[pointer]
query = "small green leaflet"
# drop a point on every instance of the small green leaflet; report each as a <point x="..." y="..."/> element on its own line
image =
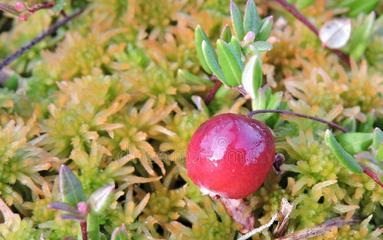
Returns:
<point x="236" y="19"/>
<point x="70" y="187"/>
<point x="341" y="154"/>
<point x="252" y="21"/>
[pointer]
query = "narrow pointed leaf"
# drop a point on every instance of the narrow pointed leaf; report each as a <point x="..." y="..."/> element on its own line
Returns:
<point x="377" y="144"/>
<point x="231" y="69"/>
<point x="236" y="19"/>
<point x="226" y="34"/>
<point x="360" y="37"/>
<point x="191" y="78"/>
<point x="377" y="138"/>
<point x="252" y="21"/>
<point x="199" y="37"/>
<point x="265" y="30"/>
<point x="70" y="187"/>
<point x="93" y="226"/>
<point x="235" y="47"/>
<point x="101" y="198"/>
<point x="252" y="76"/>
<point x="274" y="100"/>
<point x="340" y="153"/>
<point x="260" y="101"/>
<point x="211" y="60"/>
<point x="355" y="142"/>
<point x="379" y="154"/>
<point x="368" y="125"/>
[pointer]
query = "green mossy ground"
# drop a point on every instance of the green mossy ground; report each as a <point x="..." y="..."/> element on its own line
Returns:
<point x="116" y="95"/>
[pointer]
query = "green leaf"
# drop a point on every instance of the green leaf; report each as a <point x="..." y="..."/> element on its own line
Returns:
<point x="361" y="36"/>
<point x="226" y="34"/>
<point x="252" y="21"/>
<point x="252" y="76"/>
<point x="262" y="46"/>
<point x="199" y="37"/>
<point x="377" y="144"/>
<point x="355" y="142"/>
<point x="363" y="7"/>
<point x="340" y="153"/>
<point x="212" y="62"/>
<point x="231" y="68"/>
<point x="265" y="30"/>
<point x="93" y="224"/>
<point x="101" y="199"/>
<point x="356" y="6"/>
<point x="274" y="100"/>
<point x="12" y="82"/>
<point x="236" y="19"/>
<point x="377" y="138"/>
<point x="120" y="233"/>
<point x="301" y="4"/>
<point x="193" y="79"/>
<point x="260" y="101"/>
<point x="70" y="187"/>
<point x="368" y="125"/>
<point x="235" y="47"/>
<point x="265" y="99"/>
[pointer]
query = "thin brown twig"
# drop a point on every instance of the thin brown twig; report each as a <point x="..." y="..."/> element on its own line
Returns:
<point x="294" y="11"/>
<point x="319" y="230"/>
<point x="331" y="124"/>
<point x="8" y="60"/>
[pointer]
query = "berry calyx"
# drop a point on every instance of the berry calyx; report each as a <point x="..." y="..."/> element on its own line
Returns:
<point x="230" y="155"/>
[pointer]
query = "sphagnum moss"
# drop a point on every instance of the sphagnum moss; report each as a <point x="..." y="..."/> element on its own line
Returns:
<point x="110" y="103"/>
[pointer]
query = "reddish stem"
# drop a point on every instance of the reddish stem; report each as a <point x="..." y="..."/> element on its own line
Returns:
<point x="374" y="176"/>
<point x="39" y="6"/>
<point x="331" y="124"/>
<point x="213" y="91"/>
<point x="294" y="11"/>
<point x="240" y="212"/>
<point x="84" y="232"/>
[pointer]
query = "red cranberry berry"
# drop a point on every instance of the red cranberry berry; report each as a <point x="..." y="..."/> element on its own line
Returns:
<point x="230" y="155"/>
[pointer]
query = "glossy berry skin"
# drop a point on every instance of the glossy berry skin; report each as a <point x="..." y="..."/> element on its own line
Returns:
<point x="230" y="155"/>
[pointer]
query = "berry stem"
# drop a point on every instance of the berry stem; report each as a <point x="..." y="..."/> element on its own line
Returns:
<point x="39" y="38"/>
<point x="294" y="11"/>
<point x="213" y="91"/>
<point x="84" y="227"/>
<point x="331" y="124"/>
